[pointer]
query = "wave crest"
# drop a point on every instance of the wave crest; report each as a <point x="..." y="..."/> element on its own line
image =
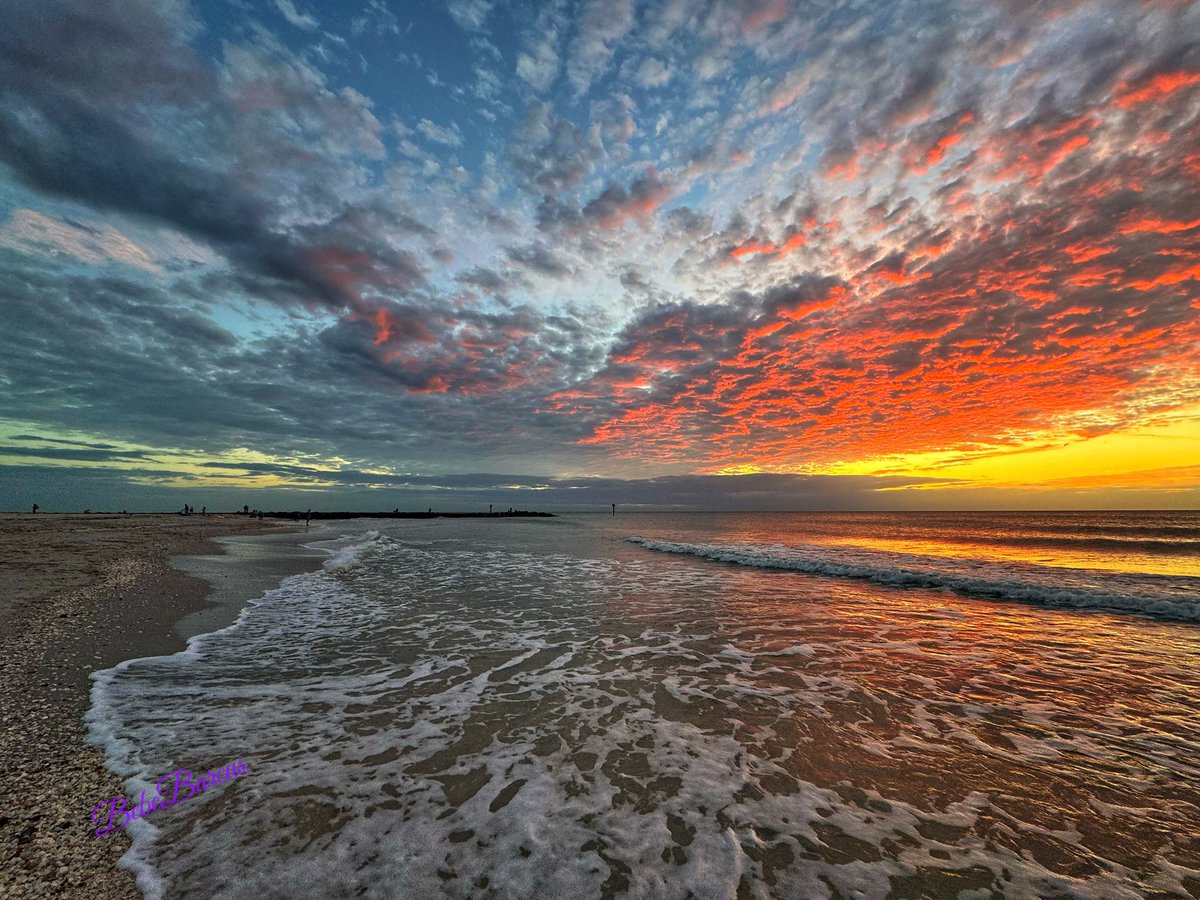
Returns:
<point x="1181" y="605"/>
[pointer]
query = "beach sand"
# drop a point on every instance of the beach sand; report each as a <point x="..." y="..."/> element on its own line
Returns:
<point x="82" y="593"/>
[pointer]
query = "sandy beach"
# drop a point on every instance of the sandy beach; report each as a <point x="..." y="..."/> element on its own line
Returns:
<point x="82" y="593"/>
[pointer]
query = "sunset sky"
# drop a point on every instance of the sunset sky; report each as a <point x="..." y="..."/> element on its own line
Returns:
<point x="701" y="253"/>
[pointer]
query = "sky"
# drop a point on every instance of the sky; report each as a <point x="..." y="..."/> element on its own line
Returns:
<point x="729" y="254"/>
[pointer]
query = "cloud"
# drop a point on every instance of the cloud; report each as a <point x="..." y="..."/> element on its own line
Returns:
<point x="93" y="445"/>
<point x="399" y="374"/>
<point x="470" y="14"/>
<point x="377" y="19"/>
<point x="268" y="141"/>
<point x="300" y="487"/>
<point x="724" y="235"/>
<point x="72" y="454"/>
<point x="652" y="73"/>
<point x="761" y="13"/>
<point x="550" y="154"/>
<point x="616" y="205"/>
<point x="301" y="20"/>
<point x="540" y="260"/>
<point x="539" y="67"/>
<point x="953" y="338"/>
<point x="449" y="136"/>
<point x="603" y="24"/>
<point x="99" y="243"/>
<point x="539" y="61"/>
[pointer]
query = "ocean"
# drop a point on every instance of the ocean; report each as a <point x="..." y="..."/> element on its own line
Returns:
<point x="689" y="705"/>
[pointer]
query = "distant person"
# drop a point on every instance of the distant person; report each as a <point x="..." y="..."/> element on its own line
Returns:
<point x="614" y="506"/>
<point x="204" y="510"/>
<point x="246" y="509"/>
<point x="307" y="519"/>
<point x="35" y="509"/>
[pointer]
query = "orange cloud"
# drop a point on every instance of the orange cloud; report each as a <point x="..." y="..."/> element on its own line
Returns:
<point x="1173" y="275"/>
<point x="936" y="153"/>
<point x="1049" y="292"/>
<point x="384" y="324"/>
<point x="1002" y="343"/>
<point x="1148" y="222"/>
<point x="766" y="248"/>
<point x="1154" y="89"/>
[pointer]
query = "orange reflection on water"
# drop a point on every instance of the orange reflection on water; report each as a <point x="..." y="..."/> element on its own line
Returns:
<point x="1185" y="560"/>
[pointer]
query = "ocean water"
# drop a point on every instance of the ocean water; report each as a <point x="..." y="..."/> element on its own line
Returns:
<point x="707" y="706"/>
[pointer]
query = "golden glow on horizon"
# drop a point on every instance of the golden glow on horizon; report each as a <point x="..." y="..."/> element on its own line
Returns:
<point x="1164" y="453"/>
<point x="1159" y="458"/>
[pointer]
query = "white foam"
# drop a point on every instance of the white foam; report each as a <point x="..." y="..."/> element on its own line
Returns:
<point x="347" y="551"/>
<point x="123" y="753"/>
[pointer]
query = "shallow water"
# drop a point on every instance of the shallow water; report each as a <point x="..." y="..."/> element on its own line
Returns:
<point x="858" y="706"/>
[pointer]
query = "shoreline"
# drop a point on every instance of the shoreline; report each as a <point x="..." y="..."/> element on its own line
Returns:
<point x="83" y="593"/>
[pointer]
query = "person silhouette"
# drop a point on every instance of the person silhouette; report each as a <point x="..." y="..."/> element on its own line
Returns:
<point x="35" y="509"/>
<point x="307" y="519"/>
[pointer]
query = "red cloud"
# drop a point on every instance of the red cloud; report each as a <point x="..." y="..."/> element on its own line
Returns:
<point x="1149" y="222"/>
<point x="1055" y="302"/>
<point x="766" y="248"/>
<point x="384" y="324"/>
<point x="1153" y="89"/>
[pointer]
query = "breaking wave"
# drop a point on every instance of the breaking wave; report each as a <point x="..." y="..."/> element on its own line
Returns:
<point x="1171" y="597"/>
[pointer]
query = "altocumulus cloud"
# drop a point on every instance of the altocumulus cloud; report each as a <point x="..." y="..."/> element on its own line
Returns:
<point x="638" y="239"/>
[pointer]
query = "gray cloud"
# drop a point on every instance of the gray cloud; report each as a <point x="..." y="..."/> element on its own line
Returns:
<point x="100" y="488"/>
<point x="737" y="232"/>
<point x="604" y="23"/>
<point x="67" y="129"/>
<point x="72" y="454"/>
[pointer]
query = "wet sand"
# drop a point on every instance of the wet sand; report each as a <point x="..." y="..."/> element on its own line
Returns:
<point x="82" y="593"/>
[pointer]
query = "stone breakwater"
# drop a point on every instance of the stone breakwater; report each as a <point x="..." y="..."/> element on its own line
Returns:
<point x="116" y="813"/>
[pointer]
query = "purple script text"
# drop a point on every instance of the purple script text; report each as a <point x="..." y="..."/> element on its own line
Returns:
<point x="173" y="788"/>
